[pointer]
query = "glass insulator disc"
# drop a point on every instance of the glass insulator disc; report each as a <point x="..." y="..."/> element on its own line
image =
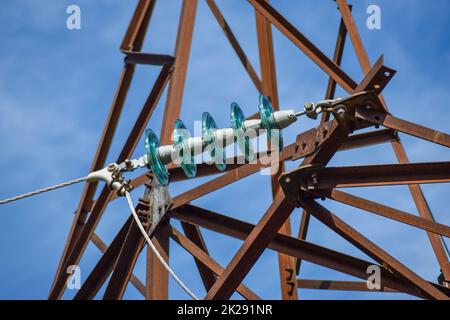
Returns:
<point x="183" y="151"/>
<point x="237" y="123"/>
<point x="268" y="122"/>
<point x="215" y="148"/>
<point x="158" y="168"/>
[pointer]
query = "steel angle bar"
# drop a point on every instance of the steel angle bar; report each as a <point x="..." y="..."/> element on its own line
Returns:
<point x="297" y="248"/>
<point x="315" y="178"/>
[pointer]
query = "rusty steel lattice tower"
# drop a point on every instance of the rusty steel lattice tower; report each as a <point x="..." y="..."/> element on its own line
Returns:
<point x="299" y="188"/>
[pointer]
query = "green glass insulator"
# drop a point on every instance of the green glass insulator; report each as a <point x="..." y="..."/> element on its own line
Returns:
<point x="158" y="168"/>
<point x="181" y="145"/>
<point x="215" y="148"/>
<point x="237" y="123"/>
<point x="268" y="122"/>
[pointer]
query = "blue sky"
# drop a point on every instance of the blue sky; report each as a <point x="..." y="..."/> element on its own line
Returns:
<point x="56" y="86"/>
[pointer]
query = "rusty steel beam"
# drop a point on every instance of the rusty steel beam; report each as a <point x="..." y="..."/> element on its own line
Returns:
<point x="203" y="257"/>
<point x="385" y="211"/>
<point x="148" y="58"/>
<point x="177" y="82"/>
<point x="267" y="59"/>
<point x="127" y="258"/>
<point x="415" y="190"/>
<point x="354" y="34"/>
<point x="134" y="280"/>
<point x="302" y="233"/>
<point x="339" y="285"/>
<point x="194" y="235"/>
<point x="251" y="249"/>
<point x="137" y="39"/>
<point x="134" y="36"/>
<point x="376" y="79"/>
<point x="297" y="248"/>
<point x="314" y="178"/>
<point x="235" y="44"/>
<point x="287" y="267"/>
<point x="99" y="243"/>
<point x="337" y="58"/>
<point x="100" y="205"/>
<point x="156" y="276"/>
<point x="304" y="44"/>
<point x="404" y="126"/>
<point x="335" y="137"/>
<point x="205" y="170"/>
<point x="370" y="248"/>
<point x="270" y="89"/>
<point x="370" y="138"/>
<point x="104" y="266"/>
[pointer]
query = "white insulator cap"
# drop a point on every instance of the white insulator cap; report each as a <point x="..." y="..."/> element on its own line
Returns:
<point x="252" y="128"/>
<point x="226" y="135"/>
<point x="253" y="124"/>
<point x="168" y="152"/>
<point x="196" y="145"/>
<point x="284" y="118"/>
<point x="165" y="153"/>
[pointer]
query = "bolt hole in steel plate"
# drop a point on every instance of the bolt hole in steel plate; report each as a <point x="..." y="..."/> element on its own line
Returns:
<point x="184" y="153"/>
<point x="158" y="168"/>
<point x="215" y="149"/>
<point x="237" y="123"/>
<point x="268" y="122"/>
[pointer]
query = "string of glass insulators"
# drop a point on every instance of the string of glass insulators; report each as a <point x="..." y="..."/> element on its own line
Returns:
<point x="214" y="140"/>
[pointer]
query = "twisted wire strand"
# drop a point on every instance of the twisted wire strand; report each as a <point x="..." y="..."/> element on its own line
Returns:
<point x="39" y="191"/>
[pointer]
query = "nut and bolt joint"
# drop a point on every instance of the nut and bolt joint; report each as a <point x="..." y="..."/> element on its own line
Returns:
<point x="340" y="110"/>
<point x="112" y="167"/>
